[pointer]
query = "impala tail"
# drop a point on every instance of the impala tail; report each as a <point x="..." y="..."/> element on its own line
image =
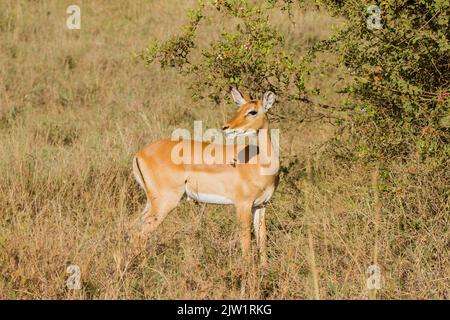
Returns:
<point x="138" y="174"/>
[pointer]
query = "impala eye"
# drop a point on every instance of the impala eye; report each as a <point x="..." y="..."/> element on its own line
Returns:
<point x="253" y="112"/>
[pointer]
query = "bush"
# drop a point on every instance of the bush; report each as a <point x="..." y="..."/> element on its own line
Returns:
<point x="401" y="85"/>
<point x="399" y="97"/>
<point x="250" y="56"/>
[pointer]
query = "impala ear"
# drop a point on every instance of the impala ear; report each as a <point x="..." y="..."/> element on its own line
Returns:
<point x="237" y="97"/>
<point x="268" y="100"/>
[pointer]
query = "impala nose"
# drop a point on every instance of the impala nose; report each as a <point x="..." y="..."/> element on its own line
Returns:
<point x="225" y="127"/>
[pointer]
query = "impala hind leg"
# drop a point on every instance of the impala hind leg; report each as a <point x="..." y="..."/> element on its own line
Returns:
<point x="147" y="208"/>
<point x="160" y="207"/>
<point x="244" y="213"/>
<point x="259" y="225"/>
<point x="155" y="211"/>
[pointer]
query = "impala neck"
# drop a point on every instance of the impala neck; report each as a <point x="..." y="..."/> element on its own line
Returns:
<point x="268" y="155"/>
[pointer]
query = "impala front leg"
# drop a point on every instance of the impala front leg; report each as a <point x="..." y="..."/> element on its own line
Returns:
<point x="259" y="225"/>
<point x="244" y="213"/>
<point x="262" y="236"/>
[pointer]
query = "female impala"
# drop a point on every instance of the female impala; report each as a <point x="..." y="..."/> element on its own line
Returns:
<point x="247" y="181"/>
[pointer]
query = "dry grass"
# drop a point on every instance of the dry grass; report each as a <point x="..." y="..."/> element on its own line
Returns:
<point x="74" y="108"/>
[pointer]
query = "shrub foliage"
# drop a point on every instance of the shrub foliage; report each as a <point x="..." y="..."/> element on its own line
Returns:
<point x="251" y="55"/>
<point x="402" y="76"/>
<point x="400" y="92"/>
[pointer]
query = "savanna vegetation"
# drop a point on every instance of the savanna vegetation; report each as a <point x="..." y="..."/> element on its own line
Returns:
<point x="364" y="119"/>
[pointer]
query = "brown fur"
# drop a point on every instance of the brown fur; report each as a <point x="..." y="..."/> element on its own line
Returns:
<point x="239" y="181"/>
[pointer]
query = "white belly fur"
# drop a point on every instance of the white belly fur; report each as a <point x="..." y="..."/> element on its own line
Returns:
<point x="264" y="197"/>
<point x="208" y="198"/>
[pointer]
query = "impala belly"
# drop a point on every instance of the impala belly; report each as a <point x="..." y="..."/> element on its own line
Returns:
<point x="214" y="184"/>
<point x="207" y="197"/>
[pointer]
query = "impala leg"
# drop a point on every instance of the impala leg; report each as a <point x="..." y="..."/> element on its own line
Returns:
<point x="244" y="213"/>
<point x="136" y="224"/>
<point x="156" y="210"/>
<point x="262" y="237"/>
<point x="151" y="219"/>
<point x="159" y="209"/>
<point x="259" y="225"/>
<point x="256" y="215"/>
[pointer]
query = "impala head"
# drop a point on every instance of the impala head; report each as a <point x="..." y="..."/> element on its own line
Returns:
<point x="251" y="115"/>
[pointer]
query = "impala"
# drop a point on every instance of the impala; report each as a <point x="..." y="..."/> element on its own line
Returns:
<point x="246" y="180"/>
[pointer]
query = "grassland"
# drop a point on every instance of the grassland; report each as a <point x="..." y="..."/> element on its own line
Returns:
<point x="74" y="108"/>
